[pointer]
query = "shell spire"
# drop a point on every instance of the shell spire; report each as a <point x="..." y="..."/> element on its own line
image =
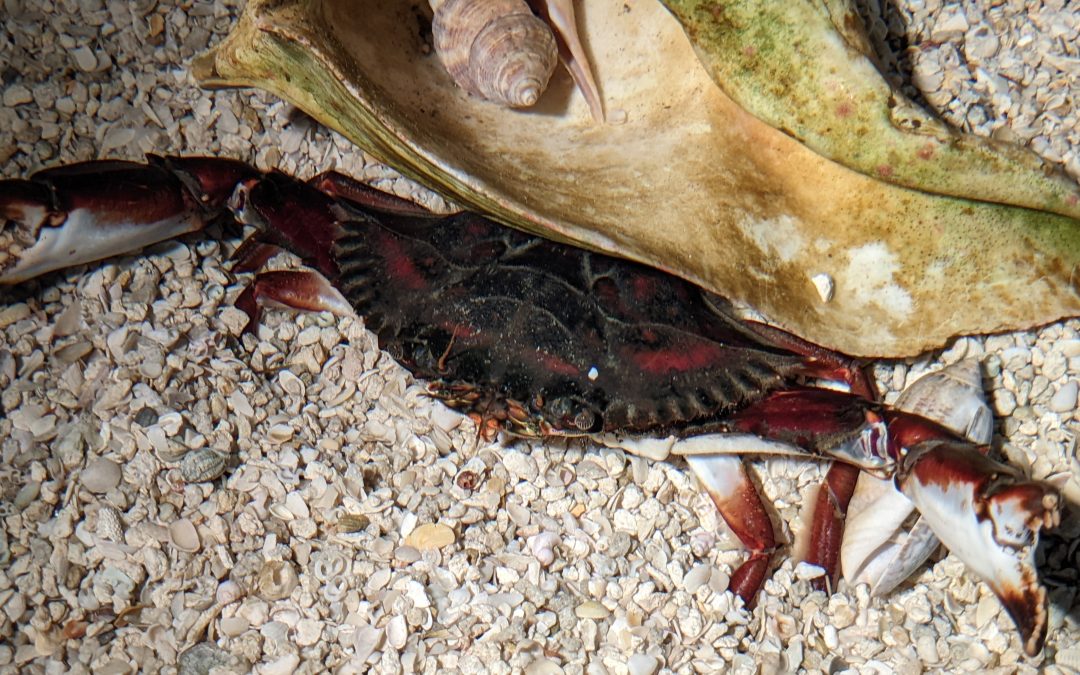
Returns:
<point x="496" y="49"/>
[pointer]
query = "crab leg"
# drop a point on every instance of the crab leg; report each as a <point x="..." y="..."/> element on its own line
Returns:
<point x="736" y="498"/>
<point x="829" y="512"/>
<point x="985" y="512"/>
<point x="303" y="290"/>
<point x="828" y="522"/>
<point x="85" y="212"/>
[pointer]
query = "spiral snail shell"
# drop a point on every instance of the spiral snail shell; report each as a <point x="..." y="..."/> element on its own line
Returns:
<point x="497" y="49"/>
<point x="501" y="51"/>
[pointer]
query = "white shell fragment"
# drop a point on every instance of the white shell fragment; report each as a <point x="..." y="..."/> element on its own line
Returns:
<point x="590" y="609"/>
<point x="277" y="580"/>
<point x="183" y="535"/>
<point x="430" y="536"/>
<point x="543" y="546"/>
<point x="825" y="286"/>
<point x="101" y="475"/>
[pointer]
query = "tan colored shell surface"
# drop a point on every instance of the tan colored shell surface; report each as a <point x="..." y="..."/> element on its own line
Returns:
<point x="689" y="182"/>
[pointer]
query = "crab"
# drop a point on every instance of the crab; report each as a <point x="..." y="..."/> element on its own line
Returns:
<point x="534" y="338"/>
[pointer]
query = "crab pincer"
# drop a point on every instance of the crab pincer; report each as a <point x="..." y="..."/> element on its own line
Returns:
<point x="990" y="517"/>
<point x="89" y="211"/>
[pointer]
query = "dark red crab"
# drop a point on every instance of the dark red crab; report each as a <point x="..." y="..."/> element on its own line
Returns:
<point x="537" y="338"/>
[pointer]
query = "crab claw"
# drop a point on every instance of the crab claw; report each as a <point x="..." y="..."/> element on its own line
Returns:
<point x="85" y="212"/>
<point x="987" y="514"/>
<point x="875" y="549"/>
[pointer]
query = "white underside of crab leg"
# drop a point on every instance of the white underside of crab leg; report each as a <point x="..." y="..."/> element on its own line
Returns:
<point x="562" y="17"/>
<point x="721" y="475"/>
<point x="659" y="449"/>
<point x="83" y="237"/>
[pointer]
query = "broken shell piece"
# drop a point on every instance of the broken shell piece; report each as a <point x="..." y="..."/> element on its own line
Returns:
<point x="543" y="547"/>
<point x="228" y="591"/>
<point x="954" y="397"/>
<point x="824" y="285"/>
<point x="101" y="475"/>
<point x="202" y="465"/>
<point x="397" y="632"/>
<point x="430" y="536"/>
<point x="183" y="535"/>
<point x="277" y="580"/>
<point x="591" y="609"/>
<point x="109" y="525"/>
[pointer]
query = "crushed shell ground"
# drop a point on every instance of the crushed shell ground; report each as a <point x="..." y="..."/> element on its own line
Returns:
<point x="176" y="498"/>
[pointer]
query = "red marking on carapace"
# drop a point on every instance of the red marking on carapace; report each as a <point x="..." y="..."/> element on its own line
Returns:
<point x="554" y="364"/>
<point x="844" y="109"/>
<point x="926" y="151"/>
<point x="401" y="266"/>
<point x="477" y="228"/>
<point x="643" y="288"/>
<point x="884" y="170"/>
<point x="684" y="359"/>
<point x="1072" y="200"/>
<point x="460" y="331"/>
<point x="749" y="51"/>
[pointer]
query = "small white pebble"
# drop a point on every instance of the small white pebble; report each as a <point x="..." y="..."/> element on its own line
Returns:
<point x="13" y="313"/>
<point x="85" y="59"/>
<point x="17" y="94"/>
<point x="308" y="632"/>
<point x="228" y="591"/>
<point x="1064" y="400"/>
<point x="183" y="535"/>
<point x="825" y="286"/>
<point x="283" y="666"/>
<point x="806" y="571"/>
<point x="543" y="546"/>
<point x="591" y="609"/>
<point x="642" y="664"/>
<point x="234" y="625"/>
<point x="101" y="475"/>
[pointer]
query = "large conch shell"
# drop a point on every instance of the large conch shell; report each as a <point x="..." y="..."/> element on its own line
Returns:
<point x="690" y="181"/>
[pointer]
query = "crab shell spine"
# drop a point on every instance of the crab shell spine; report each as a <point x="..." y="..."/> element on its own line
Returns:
<point x="496" y="49"/>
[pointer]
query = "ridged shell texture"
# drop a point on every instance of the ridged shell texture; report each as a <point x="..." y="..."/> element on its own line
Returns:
<point x="497" y="49"/>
